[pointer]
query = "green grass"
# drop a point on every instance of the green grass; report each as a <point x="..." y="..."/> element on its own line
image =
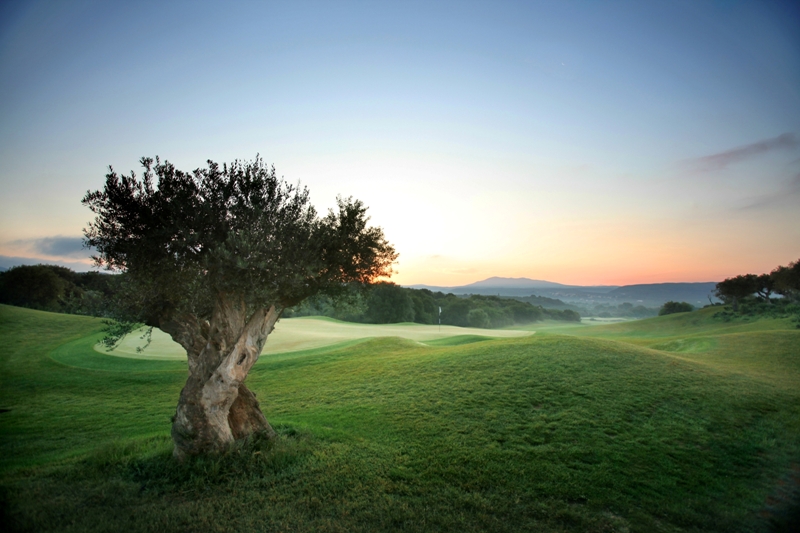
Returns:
<point x="678" y="423"/>
<point x="308" y="333"/>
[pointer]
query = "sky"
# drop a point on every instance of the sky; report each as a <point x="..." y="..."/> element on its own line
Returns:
<point x="589" y="143"/>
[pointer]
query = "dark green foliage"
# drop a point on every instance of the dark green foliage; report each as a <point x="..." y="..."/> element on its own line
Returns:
<point x="733" y="290"/>
<point x="116" y="329"/>
<point x="454" y="310"/>
<point x="185" y="238"/>
<point x="753" y="308"/>
<point x="388" y="304"/>
<point x="478" y="318"/>
<point x="38" y="287"/>
<point x="675" y="307"/>
<point x="765" y="285"/>
<point x="349" y="307"/>
<point x="58" y="289"/>
<point x="753" y="292"/>
<point x="779" y="308"/>
<point x="425" y="309"/>
<point x="786" y="280"/>
<point x="524" y="314"/>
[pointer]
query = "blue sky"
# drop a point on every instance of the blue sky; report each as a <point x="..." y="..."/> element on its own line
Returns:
<point x="580" y="142"/>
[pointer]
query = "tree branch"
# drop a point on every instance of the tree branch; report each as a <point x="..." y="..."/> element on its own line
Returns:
<point x="187" y="330"/>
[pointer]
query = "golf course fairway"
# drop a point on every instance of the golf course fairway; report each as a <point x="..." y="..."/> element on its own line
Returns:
<point x="682" y="423"/>
<point x="306" y="333"/>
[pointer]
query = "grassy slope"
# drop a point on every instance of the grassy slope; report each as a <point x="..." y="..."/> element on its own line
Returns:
<point x="58" y="410"/>
<point x="308" y="333"/>
<point x="756" y="347"/>
<point x="673" y="424"/>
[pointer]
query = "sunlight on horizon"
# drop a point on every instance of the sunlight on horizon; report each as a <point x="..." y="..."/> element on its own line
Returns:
<point x="576" y="143"/>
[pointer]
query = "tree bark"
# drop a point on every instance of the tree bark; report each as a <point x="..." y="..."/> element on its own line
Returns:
<point x="215" y="407"/>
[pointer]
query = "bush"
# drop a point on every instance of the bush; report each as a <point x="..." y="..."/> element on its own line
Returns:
<point x="675" y="307"/>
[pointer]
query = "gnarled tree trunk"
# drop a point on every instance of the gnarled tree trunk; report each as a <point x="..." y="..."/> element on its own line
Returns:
<point x="215" y="407"/>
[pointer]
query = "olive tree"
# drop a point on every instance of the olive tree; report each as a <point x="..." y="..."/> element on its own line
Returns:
<point x="213" y="257"/>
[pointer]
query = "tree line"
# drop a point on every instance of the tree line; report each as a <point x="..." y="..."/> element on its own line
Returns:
<point x="783" y="280"/>
<point x="62" y="290"/>
<point x="58" y="289"/>
<point x="776" y="293"/>
<point x="388" y="303"/>
<point x="601" y="310"/>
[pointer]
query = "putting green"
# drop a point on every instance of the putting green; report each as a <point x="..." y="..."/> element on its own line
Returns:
<point x="305" y="333"/>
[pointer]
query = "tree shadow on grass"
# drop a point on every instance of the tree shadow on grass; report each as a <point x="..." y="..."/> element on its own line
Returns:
<point x="137" y="484"/>
<point x="254" y="461"/>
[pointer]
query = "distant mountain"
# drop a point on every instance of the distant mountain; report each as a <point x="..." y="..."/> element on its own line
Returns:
<point x="649" y="295"/>
<point x="498" y="286"/>
<point x="514" y="283"/>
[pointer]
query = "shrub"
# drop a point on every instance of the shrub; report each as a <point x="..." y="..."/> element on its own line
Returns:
<point x="675" y="307"/>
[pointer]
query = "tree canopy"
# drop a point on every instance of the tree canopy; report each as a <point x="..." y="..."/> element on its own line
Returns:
<point x="387" y="303"/>
<point x="733" y="290"/>
<point x="213" y="257"/>
<point x="751" y="294"/>
<point x="233" y="229"/>
<point x="57" y="288"/>
<point x="671" y="307"/>
<point x="786" y="280"/>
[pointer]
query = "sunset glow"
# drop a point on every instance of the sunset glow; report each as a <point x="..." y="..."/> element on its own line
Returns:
<point x="577" y="142"/>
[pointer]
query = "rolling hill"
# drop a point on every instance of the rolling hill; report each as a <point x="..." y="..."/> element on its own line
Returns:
<point x="649" y="295"/>
<point x="678" y="423"/>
